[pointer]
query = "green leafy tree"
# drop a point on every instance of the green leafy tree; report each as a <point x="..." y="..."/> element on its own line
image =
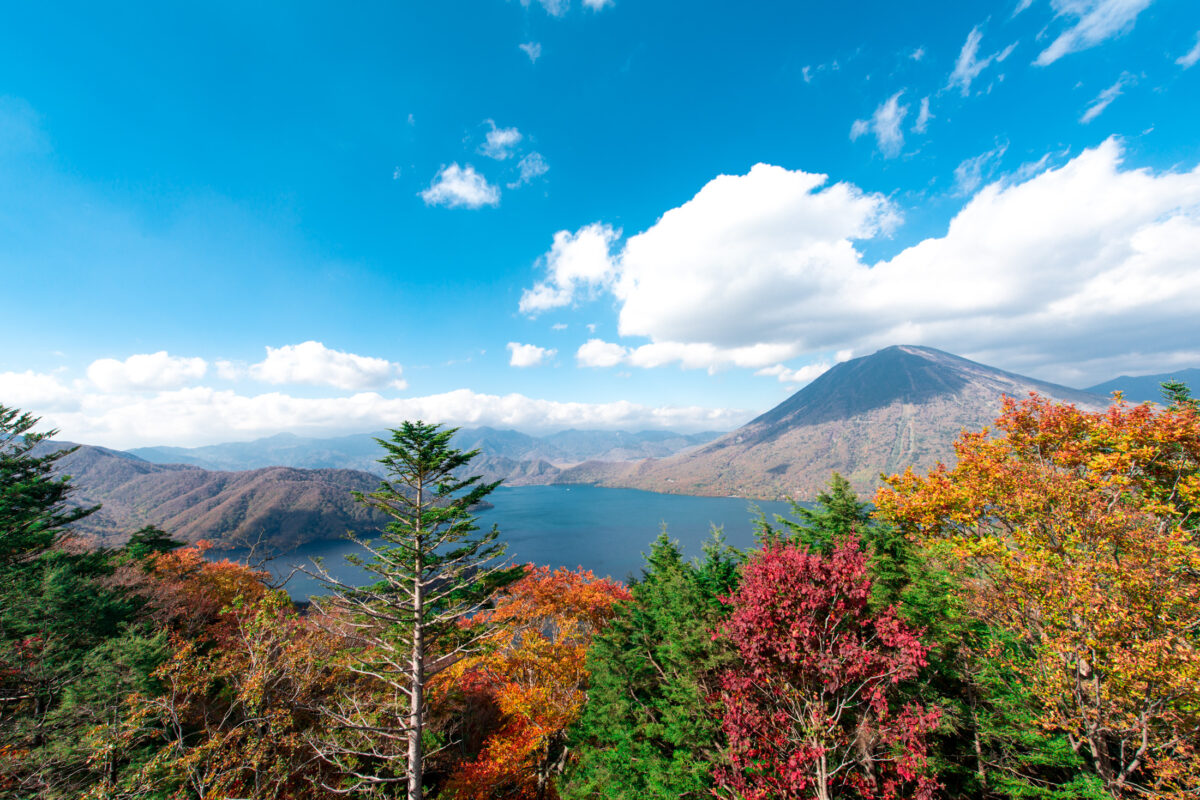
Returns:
<point x="651" y="728"/>
<point x="432" y="569"/>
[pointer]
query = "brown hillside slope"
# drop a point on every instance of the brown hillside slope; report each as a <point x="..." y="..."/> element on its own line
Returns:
<point x="901" y="406"/>
<point x="283" y="505"/>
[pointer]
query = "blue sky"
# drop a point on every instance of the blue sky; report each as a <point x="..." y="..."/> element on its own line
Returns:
<point x="224" y="222"/>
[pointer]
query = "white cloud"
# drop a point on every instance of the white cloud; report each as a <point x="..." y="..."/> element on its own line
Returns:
<point x="1094" y="22"/>
<point x="597" y="5"/>
<point x="599" y="353"/>
<point x="202" y="415"/>
<point x="531" y="166"/>
<point x="923" y="117"/>
<point x="1105" y="98"/>
<point x="460" y="187"/>
<point x="578" y="263"/>
<point x="969" y="65"/>
<point x="145" y="371"/>
<point x="1021" y="6"/>
<point x="558" y="326"/>
<point x="1087" y="263"/>
<point x="529" y="355"/>
<point x="230" y="370"/>
<point x="532" y="49"/>
<point x="970" y="174"/>
<point x="886" y="123"/>
<point x="1189" y="58"/>
<point x="36" y="391"/>
<point x="314" y="364"/>
<point x="804" y="374"/>
<point x="500" y="142"/>
<point x="918" y="54"/>
<point x="555" y="8"/>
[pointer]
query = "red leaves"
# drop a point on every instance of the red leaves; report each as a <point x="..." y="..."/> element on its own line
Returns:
<point x="810" y="712"/>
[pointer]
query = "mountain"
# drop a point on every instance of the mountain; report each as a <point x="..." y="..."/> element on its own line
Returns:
<point x="1142" y="388"/>
<point x="516" y="457"/>
<point x="901" y="406"/>
<point x="284" y="505"/>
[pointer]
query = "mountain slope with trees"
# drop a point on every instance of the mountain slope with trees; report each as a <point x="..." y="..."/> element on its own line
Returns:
<point x="280" y="505"/>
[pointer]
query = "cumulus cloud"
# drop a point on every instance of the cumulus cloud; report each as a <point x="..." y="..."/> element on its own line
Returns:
<point x="597" y="5"/>
<point x="202" y="415"/>
<point x="688" y="355"/>
<point x="1105" y="98"/>
<point x="969" y="65"/>
<point x="886" y="123"/>
<point x="314" y="364"/>
<point x="1189" y="58"/>
<point x="531" y="49"/>
<point x="804" y="374"/>
<point x="528" y="355"/>
<point x="460" y="187"/>
<point x="531" y="166"/>
<point x="578" y="264"/>
<point x="31" y="390"/>
<point x="599" y="353"/>
<point x="145" y="371"/>
<point x="1078" y="270"/>
<point x="1094" y="21"/>
<point x="500" y="143"/>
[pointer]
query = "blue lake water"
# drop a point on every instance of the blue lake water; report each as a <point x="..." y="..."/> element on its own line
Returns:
<point x="604" y="530"/>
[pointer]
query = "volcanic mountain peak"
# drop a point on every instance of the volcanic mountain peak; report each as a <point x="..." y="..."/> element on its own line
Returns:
<point x="906" y="374"/>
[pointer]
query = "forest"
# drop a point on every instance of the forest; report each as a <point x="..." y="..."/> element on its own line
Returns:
<point x="1023" y="623"/>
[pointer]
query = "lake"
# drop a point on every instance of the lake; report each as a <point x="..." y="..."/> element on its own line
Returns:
<point x="604" y="530"/>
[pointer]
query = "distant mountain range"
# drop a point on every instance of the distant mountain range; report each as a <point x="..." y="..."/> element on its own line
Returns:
<point x="514" y="456"/>
<point x="901" y="406"/>
<point x="1142" y="388"/>
<point x="289" y="489"/>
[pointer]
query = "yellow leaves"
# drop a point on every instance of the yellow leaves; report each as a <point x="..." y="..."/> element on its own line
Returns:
<point x="1070" y="530"/>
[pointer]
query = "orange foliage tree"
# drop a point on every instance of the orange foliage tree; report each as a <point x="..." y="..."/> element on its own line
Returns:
<point x="1076" y="531"/>
<point x="230" y="720"/>
<point x="532" y="667"/>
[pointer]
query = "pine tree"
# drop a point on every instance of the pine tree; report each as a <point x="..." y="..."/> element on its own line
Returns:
<point x="432" y="569"/>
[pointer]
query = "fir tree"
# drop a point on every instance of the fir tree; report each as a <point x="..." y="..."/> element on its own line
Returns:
<point x="432" y="570"/>
<point x="651" y="728"/>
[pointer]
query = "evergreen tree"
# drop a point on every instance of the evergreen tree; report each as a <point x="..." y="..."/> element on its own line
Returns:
<point x="837" y="512"/>
<point x="33" y="500"/>
<point x="432" y="570"/>
<point x="651" y="728"/>
<point x="55" y="611"/>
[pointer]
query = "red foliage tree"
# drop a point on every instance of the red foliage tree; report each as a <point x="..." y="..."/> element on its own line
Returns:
<point x="811" y="710"/>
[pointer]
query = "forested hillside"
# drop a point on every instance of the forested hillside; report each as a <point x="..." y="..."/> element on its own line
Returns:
<point x="1021" y="624"/>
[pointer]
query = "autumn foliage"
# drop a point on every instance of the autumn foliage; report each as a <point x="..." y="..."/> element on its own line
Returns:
<point x="533" y="668"/>
<point x="1076" y="532"/>
<point x="811" y="712"/>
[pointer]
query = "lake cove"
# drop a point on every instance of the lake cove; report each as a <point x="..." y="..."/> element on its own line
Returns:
<point x="604" y="530"/>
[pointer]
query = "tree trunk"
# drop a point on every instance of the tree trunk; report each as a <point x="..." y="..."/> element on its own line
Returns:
<point x="417" y="667"/>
